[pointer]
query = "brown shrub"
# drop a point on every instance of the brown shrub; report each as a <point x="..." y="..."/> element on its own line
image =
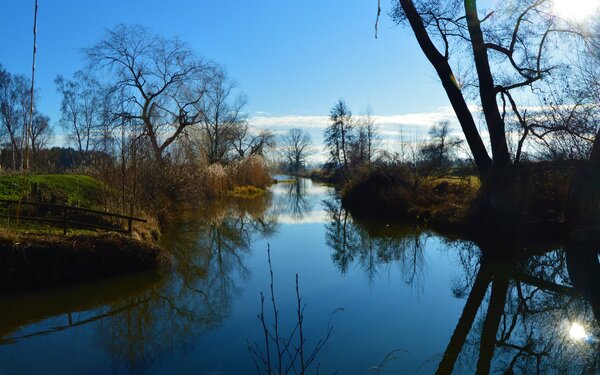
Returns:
<point x="382" y="192"/>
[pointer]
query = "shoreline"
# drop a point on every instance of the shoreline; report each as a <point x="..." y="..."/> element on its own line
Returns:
<point x="30" y="261"/>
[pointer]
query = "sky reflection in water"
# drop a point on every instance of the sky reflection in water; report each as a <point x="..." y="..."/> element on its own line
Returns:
<point x="437" y="305"/>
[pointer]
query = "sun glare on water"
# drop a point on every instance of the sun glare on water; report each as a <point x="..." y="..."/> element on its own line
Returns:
<point x="577" y="332"/>
<point x="576" y="10"/>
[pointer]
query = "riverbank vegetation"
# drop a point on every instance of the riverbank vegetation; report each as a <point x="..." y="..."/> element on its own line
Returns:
<point x="432" y="180"/>
<point x="535" y="156"/>
<point x="154" y="124"/>
<point x="535" y="103"/>
<point x="37" y="253"/>
<point x="151" y="128"/>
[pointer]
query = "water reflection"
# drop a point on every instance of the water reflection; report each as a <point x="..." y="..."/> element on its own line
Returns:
<point x="528" y="314"/>
<point x="138" y="322"/>
<point x="297" y="201"/>
<point x="66" y="308"/>
<point x="291" y="198"/>
<point x="523" y="308"/>
<point x="209" y="248"/>
<point x="373" y="246"/>
<point x="528" y="309"/>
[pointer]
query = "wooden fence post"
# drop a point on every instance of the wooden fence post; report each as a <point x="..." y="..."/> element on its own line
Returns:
<point x="65" y="220"/>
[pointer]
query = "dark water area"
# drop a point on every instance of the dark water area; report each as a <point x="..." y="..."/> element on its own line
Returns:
<point x="394" y="298"/>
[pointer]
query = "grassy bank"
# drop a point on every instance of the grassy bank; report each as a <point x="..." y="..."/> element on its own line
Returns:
<point x="533" y="201"/>
<point x="392" y="193"/>
<point x="77" y="190"/>
<point x="35" y="253"/>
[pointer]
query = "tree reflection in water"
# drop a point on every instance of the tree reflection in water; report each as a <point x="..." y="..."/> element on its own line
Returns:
<point x="138" y="319"/>
<point x="209" y="250"/>
<point x="519" y="313"/>
<point x="291" y="199"/>
<point x="373" y="248"/>
<point x="527" y="310"/>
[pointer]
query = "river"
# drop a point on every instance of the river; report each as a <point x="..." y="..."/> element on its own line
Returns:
<point x="375" y="298"/>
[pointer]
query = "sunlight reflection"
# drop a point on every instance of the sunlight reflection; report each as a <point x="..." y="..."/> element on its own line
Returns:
<point x="577" y="332"/>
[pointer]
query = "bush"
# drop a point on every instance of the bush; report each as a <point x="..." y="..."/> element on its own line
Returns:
<point x="393" y="191"/>
<point x="383" y="192"/>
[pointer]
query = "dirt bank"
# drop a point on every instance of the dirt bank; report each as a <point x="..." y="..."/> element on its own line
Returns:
<point x="34" y="260"/>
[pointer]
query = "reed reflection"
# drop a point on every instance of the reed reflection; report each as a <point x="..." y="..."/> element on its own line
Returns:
<point x="209" y="248"/>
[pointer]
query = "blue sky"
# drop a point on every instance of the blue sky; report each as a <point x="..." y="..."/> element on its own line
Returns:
<point x="292" y="58"/>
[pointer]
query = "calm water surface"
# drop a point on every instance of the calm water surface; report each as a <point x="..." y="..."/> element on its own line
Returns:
<point x="396" y="300"/>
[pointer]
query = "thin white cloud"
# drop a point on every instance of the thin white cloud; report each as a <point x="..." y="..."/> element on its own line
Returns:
<point x="390" y="127"/>
<point x="411" y="120"/>
<point x="288" y="122"/>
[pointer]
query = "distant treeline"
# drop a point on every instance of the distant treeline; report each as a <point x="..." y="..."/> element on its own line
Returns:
<point x="53" y="160"/>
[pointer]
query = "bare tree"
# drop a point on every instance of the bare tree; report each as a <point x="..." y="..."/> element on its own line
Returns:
<point x="247" y="142"/>
<point x="81" y="110"/>
<point x="366" y="140"/>
<point x="510" y="52"/>
<point x="162" y="80"/>
<point x="15" y="112"/>
<point x="222" y="118"/>
<point x="294" y="147"/>
<point x="438" y="153"/>
<point x="13" y="89"/>
<point x="41" y="132"/>
<point x="513" y="53"/>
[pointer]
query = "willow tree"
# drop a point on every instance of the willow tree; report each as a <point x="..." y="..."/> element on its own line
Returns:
<point x="162" y="80"/>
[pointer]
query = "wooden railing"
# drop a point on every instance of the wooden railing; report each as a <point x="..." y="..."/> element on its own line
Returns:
<point x="66" y="216"/>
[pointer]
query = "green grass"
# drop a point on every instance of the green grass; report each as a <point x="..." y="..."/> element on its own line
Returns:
<point x="77" y="190"/>
<point x="473" y="181"/>
<point x="28" y="227"/>
<point x="287" y="181"/>
<point x="247" y="192"/>
<point x="74" y="190"/>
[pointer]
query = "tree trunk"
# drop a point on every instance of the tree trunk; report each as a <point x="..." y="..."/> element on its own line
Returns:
<point x="584" y="272"/>
<point x="487" y="90"/>
<point x="457" y="100"/>
<point x="583" y="210"/>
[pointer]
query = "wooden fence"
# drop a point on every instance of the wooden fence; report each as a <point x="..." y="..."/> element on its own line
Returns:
<point x="66" y="216"/>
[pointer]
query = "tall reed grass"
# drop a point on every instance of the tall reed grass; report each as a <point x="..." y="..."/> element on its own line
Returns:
<point x="216" y="179"/>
